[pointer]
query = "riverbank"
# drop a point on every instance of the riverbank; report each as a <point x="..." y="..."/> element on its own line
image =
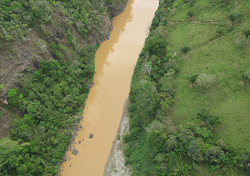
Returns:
<point x="115" y="164"/>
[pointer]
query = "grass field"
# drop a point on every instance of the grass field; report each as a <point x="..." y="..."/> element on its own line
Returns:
<point x="224" y="56"/>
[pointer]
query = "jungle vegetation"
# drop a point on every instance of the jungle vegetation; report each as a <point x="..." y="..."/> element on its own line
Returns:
<point x="50" y="97"/>
<point x="189" y="99"/>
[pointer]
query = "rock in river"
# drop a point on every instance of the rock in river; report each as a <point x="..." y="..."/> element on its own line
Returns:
<point x="75" y="152"/>
<point x="91" y="135"/>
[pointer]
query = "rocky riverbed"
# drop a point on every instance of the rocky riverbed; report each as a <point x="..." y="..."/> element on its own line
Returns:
<point x="115" y="164"/>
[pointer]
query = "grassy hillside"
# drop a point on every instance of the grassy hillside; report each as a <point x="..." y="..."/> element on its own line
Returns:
<point x="225" y="56"/>
<point x="190" y="94"/>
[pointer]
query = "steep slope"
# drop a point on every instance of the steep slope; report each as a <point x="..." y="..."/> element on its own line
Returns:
<point x="47" y="58"/>
<point x="28" y="30"/>
<point x="189" y="99"/>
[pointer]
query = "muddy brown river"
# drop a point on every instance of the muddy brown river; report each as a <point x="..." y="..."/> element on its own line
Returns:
<point x="114" y="64"/>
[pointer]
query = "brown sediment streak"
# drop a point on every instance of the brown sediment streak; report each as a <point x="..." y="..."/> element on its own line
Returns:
<point x="114" y="65"/>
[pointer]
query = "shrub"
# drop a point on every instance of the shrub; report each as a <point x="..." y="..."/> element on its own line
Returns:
<point x="185" y="136"/>
<point x="244" y="77"/>
<point x="156" y="46"/>
<point x="203" y="132"/>
<point x="192" y="78"/>
<point x="185" y="50"/>
<point x="246" y="32"/>
<point x="233" y="17"/>
<point x="246" y="162"/>
<point x="190" y="14"/>
<point x="145" y="100"/>
<point x="204" y="80"/>
<point x="128" y="138"/>
<point x="182" y="170"/>
<point x="195" y="150"/>
<point x="172" y="142"/>
<point x="166" y="84"/>
<point x="214" y="155"/>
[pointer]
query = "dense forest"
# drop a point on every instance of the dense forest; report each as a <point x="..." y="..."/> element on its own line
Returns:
<point x="45" y="101"/>
<point x="189" y="100"/>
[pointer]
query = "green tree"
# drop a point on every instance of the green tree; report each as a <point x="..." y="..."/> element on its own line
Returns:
<point x="244" y="78"/>
<point x="190" y="14"/>
<point x="214" y="155"/>
<point x="146" y="100"/>
<point x="246" y="32"/>
<point x="195" y="150"/>
<point x="185" y="50"/>
<point x="192" y="78"/>
<point x="246" y="162"/>
<point x="208" y="120"/>
<point x="12" y="95"/>
<point x="156" y="46"/>
<point x="182" y="170"/>
<point x="233" y="18"/>
<point x="185" y="136"/>
<point x="12" y="154"/>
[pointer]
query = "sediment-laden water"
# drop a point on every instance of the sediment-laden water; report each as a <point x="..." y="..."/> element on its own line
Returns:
<point x="114" y="65"/>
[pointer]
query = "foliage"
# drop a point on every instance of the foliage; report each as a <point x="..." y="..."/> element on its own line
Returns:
<point x="156" y="46"/>
<point x="173" y="138"/>
<point x="204" y="80"/>
<point x="246" y="32"/>
<point x="192" y="78"/>
<point x="49" y="97"/>
<point x="145" y="100"/>
<point x="233" y="17"/>
<point x="185" y="136"/>
<point x="182" y="170"/>
<point x="195" y="150"/>
<point x="190" y="14"/>
<point x="18" y="16"/>
<point x="246" y="162"/>
<point x="214" y="154"/>
<point x="185" y="50"/>
<point x="208" y="120"/>
<point x="244" y="77"/>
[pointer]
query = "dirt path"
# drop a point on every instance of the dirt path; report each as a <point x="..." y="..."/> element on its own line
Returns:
<point x="115" y="164"/>
<point x="235" y="4"/>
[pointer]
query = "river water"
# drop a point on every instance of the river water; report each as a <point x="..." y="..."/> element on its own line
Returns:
<point x="114" y="64"/>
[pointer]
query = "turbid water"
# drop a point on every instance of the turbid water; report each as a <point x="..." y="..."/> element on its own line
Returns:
<point x="114" y="65"/>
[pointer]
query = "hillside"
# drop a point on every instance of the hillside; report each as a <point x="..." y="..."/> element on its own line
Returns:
<point x="47" y="53"/>
<point x="190" y="94"/>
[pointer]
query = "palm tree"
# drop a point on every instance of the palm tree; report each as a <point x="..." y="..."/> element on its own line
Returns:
<point x="233" y="17"/>
<point x="190" y="14"/>
<point x="246" y="32"/>
<point x="192" y="78"/>
<point x="171" y="157"/>
<point x="213" y="122"/>
<point x="208" y="120"/>
<point x="244" y="77"/>
<point x="182" y="170"/>
<point x="185" y="50"/>
<point x="203" y="116"/>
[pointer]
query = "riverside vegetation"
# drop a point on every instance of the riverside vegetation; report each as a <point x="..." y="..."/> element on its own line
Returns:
<point x="190" y="95"/>
<point x="49" y="96"/>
